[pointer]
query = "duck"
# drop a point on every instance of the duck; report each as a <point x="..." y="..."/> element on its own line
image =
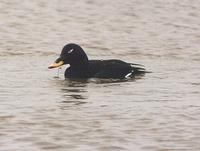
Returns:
<point x="80" y="67"/>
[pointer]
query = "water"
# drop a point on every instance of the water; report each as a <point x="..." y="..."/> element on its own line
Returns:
<point x="157" y="112"/>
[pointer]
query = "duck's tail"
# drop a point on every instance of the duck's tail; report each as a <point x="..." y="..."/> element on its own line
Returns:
<point x="139" y="69"/>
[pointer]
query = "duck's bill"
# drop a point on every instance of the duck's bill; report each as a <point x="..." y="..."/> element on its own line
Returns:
<point x="56" y="64"/>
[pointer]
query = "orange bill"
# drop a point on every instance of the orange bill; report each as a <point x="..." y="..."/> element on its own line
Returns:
<point x="55" y="65"/>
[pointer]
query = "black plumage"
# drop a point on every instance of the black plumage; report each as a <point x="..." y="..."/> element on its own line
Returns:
<point x="82" y="68"/>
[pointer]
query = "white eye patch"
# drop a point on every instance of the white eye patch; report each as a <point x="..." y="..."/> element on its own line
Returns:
<point x="70" y="51"/>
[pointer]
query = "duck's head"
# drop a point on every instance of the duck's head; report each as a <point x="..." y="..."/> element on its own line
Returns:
<point x="71" y="54"/>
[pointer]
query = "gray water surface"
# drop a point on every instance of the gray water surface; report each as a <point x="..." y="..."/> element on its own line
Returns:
<point x="157" y="112"/>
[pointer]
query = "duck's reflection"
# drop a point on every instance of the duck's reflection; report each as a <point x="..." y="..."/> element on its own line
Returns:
<point x="74" y="91"/>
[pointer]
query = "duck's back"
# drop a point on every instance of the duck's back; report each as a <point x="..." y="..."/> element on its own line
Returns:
<point x="113" y="68"/>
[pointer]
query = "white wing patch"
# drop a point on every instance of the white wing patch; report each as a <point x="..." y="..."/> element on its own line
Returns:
<point x="70" y="51"/>
<point x="129" y="74"/>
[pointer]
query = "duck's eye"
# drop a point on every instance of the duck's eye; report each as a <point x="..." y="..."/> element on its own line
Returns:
<point x="70" y="51"/>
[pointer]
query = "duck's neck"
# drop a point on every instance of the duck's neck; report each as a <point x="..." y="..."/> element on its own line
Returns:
<point x="80" y="64"/>
<point x="80" y="61"/>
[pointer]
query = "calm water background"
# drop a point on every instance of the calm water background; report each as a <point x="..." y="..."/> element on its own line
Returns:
<point x="158" y="112"/>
